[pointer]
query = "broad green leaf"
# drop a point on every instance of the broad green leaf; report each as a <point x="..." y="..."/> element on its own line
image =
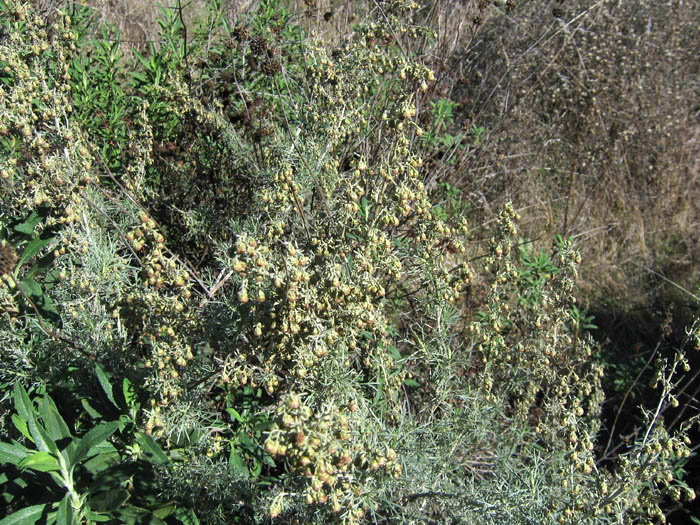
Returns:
<point x="13" y="453"/>
<point x="47" y="308"/>
<point x="97" y="517"/>
<point x="186" y="516"/>
<point x="40" y="461"/>
<point x="129" y="393"/>
<point x="234" y="415"/>
<point x="23" y="404"/>
<point x="43" y="301"/>
<point x="151" y="448"/>
<point x="65" y="511"/>
<point x="13" y="487"/>
<point x="105" y="456"/>
<point x="164" y="510"/>
<point x="257" y="468"/>
<point x="124" y="421"/>
<point x="41" y="437"/>
<point x="104" y="377"/>
<point x="236" y="465"/>
<point x="21" y="425"/>
<point x="52" y="277"/>
<point x="364" y="208"/>
<point x="26" y="516"/>
<point x="108" y="500"/>
<point x="249" y="444"/>
<point x="132" y="514"/>
<point x="26" y="411"/>
<point x="411" y="382"/>
<point x="94" y="414"/>
<point x="115" y="476"/>
<point x="177" y="454"/>
<point x="262" y="424"/>
<point x="394" y="352"/>
<point x="30" y="287"/>
<point x="28" y="225"/>
<point x="55" y="425"/>
<point x="33" y="248"/>
<point x="90" y="440"/>
<point x="267" y="459"/>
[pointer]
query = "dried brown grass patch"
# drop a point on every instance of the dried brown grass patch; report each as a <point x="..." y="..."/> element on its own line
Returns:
<point x="592" y="125"/>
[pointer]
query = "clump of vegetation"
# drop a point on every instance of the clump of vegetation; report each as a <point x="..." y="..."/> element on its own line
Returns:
<point x="239" y="226"/>
<point x="601" y="99"/>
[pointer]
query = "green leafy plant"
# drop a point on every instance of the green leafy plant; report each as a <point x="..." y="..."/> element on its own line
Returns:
<point x="449" y="202"/>
<point x="477" y="133"/>
<point x="581" y="320"/>
<point x="30" y="237"/>
<point x="88" y="477"/>
<point x="102" y="106"/>
<point x="59" y="454"/>
<point x="536" y="268"/>
<point x="442" y="116"/>
<point x="250" y="422"/>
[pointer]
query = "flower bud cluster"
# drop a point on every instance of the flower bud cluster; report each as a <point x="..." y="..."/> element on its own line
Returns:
<point x="532" y="355"/>
<point x="339" y="239"/>
<point x="319" y="444"/>
<point x="47" y="164"/>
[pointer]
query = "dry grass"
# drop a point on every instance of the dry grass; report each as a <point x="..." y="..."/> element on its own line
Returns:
<point x="593" y="132"/>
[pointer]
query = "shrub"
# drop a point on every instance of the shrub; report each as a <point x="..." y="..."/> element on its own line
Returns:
<point x="260" y="250"/>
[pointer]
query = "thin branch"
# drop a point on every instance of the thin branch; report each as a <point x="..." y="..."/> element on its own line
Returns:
<point x="657" y="274"/>
<point x="624" y="399"/>
<point x="46" y="329"/>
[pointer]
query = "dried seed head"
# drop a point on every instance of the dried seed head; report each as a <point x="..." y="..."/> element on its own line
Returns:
<point x="241" y="33"/>
<point x="271" y="66"/>
<point x="259" y="45"/>
<point x="8" y="258"/>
